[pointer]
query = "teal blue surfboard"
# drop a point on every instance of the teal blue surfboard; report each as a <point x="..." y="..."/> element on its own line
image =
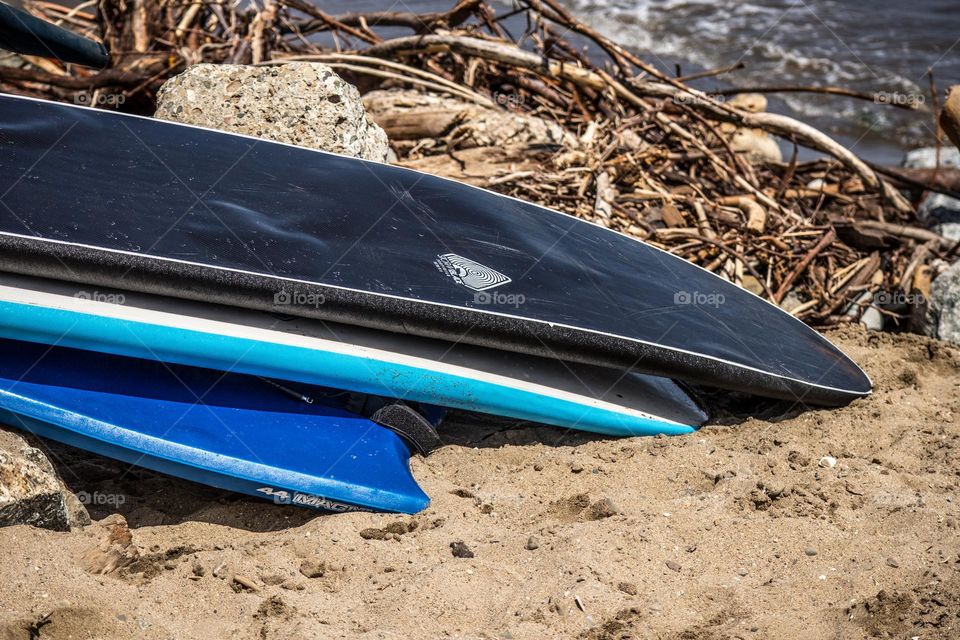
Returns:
<point x="597" y="399"/>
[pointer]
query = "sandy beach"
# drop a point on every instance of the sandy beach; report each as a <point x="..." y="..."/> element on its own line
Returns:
<point x="774" y="520"/>
<point x="742" y="530"/>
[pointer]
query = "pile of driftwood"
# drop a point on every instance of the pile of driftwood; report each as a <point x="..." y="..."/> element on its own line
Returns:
<point x="650" y="156"/>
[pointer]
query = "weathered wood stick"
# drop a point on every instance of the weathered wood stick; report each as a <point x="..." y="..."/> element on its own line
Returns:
<point x="418" y="22"/>
<point x="950" y="116"/>
<point x="827" y="239"/>
<point x="877" y="97"/>
<point x="903" y="231"/>
<point x="108" y="78"/>
<point x="945" y="180"/>
<point x="774" y="123"/>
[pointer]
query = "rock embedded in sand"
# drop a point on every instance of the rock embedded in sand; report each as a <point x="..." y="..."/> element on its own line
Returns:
<point x="628" y="588"/>
<point x="115" y="549"/>
<point x="313" y="568"/>
<point x="31" y="492"/>
<point x="220" y="571"/>
<point x="395" y="529"/>
<point x="272" y="579"/>
<point x="532" y="543"/>
<point x="604" y="508"/>
<point x="300" y="103"/>
<point x="292" y="585"/>
<point x="273" y="607"/>
<point x="943" y="314"/>
<point x="460" y="550"/>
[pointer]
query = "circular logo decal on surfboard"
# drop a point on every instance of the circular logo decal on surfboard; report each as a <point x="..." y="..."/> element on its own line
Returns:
<point x="470" y="273"/>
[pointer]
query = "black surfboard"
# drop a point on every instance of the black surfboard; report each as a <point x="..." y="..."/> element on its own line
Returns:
<point x="135" y="203"/>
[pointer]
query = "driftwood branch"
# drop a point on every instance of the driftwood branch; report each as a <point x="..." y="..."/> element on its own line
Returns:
<point x="774" y="123"/>
<point x="535" y="116"/>
<point x="876" y="97"/>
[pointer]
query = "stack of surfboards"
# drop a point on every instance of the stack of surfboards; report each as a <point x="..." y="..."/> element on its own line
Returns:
<point x="259" y="274"/>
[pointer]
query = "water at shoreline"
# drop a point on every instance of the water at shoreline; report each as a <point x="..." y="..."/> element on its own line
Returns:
<point x="885" y="45"/>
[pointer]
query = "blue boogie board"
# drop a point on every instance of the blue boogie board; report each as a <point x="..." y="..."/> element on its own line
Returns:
<point x="228" y="430"/>
<point x="187" y="212"/>
<point x="380" y="363"/>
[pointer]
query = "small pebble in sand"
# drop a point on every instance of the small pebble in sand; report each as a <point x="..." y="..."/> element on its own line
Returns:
<point x="169" y="565"/>
<point x="313" y="568"/>
<point x="810" y="551"/>
<point x="220" y="571"/>
<point x="604" y="508"/>
<point x="576" y="467"/>
<point x="460" y="550"/>
<point x="532" y="543"/>
<point x="628" y="588"/>
<point x="673" y="566"/>
<point x="827" y="462"/>
<point x="893" y="562"/>
<point x="272" y="579"/>
<point x="198" y="570"/>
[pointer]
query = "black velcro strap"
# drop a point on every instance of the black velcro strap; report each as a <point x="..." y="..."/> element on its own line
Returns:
<point x="400" y="418"/>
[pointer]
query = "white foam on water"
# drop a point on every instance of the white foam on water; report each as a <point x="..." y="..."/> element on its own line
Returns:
<point x="865" y="47"/>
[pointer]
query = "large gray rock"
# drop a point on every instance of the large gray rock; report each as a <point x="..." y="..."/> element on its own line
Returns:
<point x="940" y="212"/>
<point x="30" y="490"/>
<point x="943" y="317"/>
<point x="301" y="103"/>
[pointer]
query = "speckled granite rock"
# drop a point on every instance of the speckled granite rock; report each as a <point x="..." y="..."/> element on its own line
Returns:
<point x="300" y="103"/>
<point x="943" y="317"/>
<point x="941" y="213"/>
<point x="30" y="490"/>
